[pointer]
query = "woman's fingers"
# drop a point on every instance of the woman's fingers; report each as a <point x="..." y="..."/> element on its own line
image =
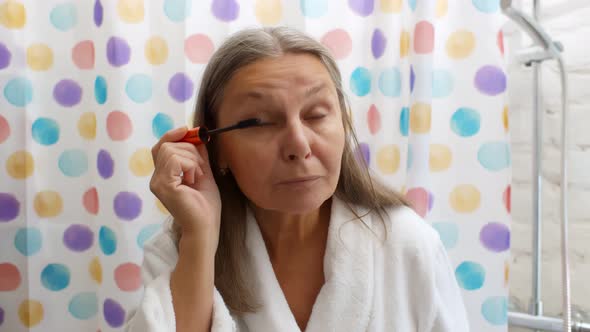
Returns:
<point x="173" y="135"/>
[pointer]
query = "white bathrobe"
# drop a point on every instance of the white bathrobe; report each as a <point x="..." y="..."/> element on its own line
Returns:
<point x="393" y="279"/>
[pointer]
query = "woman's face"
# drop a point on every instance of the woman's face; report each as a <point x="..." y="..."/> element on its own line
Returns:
<point x="293" y="164"/>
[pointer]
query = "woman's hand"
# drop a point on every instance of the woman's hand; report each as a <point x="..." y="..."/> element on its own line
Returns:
<point x="184" y="183"/>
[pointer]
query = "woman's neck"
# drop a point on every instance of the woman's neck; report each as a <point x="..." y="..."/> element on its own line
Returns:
<point x="285" y="234"/>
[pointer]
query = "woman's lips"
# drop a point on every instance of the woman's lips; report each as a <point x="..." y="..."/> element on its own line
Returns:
<point x="299" y="180"/>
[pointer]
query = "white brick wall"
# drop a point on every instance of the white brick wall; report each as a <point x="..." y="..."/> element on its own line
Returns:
<point x="566" y="21"/>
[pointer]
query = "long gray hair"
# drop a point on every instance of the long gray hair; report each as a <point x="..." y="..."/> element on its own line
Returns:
<point x="355" y="185"/>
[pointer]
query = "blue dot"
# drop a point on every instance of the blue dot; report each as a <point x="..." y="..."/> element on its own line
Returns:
<point x="73" y="163"/>
<point x="404" y="121"/>
<point x="146" y="233"/>
<point x="139" y="88"/>
<point x="470" y="275"/>
<point x="19" y="92"/>
<point x="314" y="8"/>
<point x="84" y="305"/>
<point x="442" y="83"/>
<point x="161" y="124"/>
<point x="28" y="241"/>
<point x="45" y="131"/>
<point x="494" y="156"/>
<point x="412" y="4"/>
<point x="55" y="277"/>
<point x="177" y="10"/>
<point x="390" y="82"/>
<point x="100" y="90"/>
<point x="487" y="6"/>
<point x="465" y="122"/>
<point x="107" y="240"/>
<point x="495" y="310"/>
<point x="360" y="81"/>
<point x="64" y="16"/>
<point x="448" y="232"/>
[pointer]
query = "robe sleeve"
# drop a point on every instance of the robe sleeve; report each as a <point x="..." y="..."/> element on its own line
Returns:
<point x="449" y="309"/>
<point x="155" y="312"/>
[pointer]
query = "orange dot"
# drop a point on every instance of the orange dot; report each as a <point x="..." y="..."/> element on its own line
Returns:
<point x="9" y="277"/>
<point x="128" y="277"/>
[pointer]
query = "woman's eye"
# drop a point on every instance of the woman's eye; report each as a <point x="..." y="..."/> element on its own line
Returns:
<point x="315" y="116"/>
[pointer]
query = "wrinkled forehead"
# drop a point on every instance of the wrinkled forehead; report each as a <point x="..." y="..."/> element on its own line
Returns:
<point x="291" y="76"/>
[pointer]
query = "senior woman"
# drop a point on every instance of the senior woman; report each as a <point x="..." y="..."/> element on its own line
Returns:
<point x="279" y="227"/>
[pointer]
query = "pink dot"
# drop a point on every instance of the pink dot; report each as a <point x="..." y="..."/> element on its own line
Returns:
<point x="419" y="199"/>
<point x="506" y="198"/>
<point x="501" y="41"/>
<point x="423" y="37"/>
<point x="374" y="119"/>
<point x="9" y="277"/>
<point x="90" y="201"/>
<point x="118" y="126"/>
<point x="83" y="54"/>
<point x="4" y="129"/>
<point x="339" y="42"/>
<point x="198" y="48"/>
<point x="128" y="277"/>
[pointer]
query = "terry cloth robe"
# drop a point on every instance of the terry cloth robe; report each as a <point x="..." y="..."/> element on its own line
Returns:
<point x="395" y="277"/>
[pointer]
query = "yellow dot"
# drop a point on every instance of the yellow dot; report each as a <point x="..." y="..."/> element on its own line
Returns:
<point x="505" y="118"/>
<point x="391" y="6"/>
<point x="269" y="12"/>
<point x="420" y="118"/>
<point x="465" y="198"/>
<point x="39" y="57"/>
<point x="442" y="7"/>
<point x="460" y="44"/>
<point x="403" y="190"/>
<point x="48" y="204"/>
<point x="95" y="270"/>
<point x="156" y="50"/>
<point x="388" y="159"/>
<point x="87" y="125"/>
<point x="13" y="15"/>
<point x="141" y="163"/>
<point x="440" y="157"/>
<point x="130" y="11"/>
<point x="161" y="207"/>
<point x="404" y="44"/>
<point x="20" y="165"/>
<point x="30" y="313"/>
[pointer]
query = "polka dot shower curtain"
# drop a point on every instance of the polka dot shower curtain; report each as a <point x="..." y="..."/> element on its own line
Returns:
<point x="88" y="86"/>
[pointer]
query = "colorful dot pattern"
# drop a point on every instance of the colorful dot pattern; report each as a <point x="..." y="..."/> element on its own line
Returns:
<point x="83" y="101"/>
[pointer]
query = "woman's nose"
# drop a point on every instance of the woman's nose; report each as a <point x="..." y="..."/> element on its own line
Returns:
<point x="296" y="142"/>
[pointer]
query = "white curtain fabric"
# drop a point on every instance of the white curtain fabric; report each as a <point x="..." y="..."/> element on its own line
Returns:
<point x="87" y="87"/>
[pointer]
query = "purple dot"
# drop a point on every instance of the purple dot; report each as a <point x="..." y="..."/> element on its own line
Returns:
<point x="98" y="13"/>
<point x="412" y="78"/>
<point x="495" y="237"/>
<point x="362" y="7"/>
<point x="430" y="200"/>
<point x="105" y="164"/>
<point x="378" y="43"/>
<point x="127" y="205"/>
<point x="78" y="237"/>
<point x="180" y="87"/>
<point x="490" y="80"/>
<point x="9" y="207"/>
<point x="364" y="152"/>
<point x="225" y="10"/>
<point x="114" y="314"/>
<point x="4" y="56"/>
<point x="67" y="93"/>
<point x="118" y="51"/>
